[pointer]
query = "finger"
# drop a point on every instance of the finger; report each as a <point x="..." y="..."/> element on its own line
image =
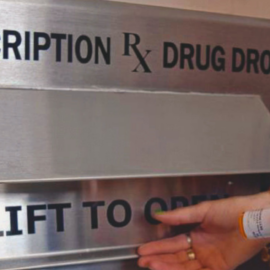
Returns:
<point x="168" y="258"/>
<point x="185" y="215"/>
<point x="145" y="261"/>
<point x="168" y="245"/>
<point x="191" y="265"/>
<point x="179" y="257"/>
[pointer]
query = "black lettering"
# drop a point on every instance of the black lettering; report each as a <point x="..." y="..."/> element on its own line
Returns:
<point x="264" y="183"/>
<point x="7" y="44"/>
<point x="253" y="58"/>
<point x="238" y="60"/>
<point x="265" y="62"/>
<point x="89" y="49"/>
<point x="140" y="57"/>
<point x="94" y="212"/>
<point x="175" y="201"/>
<point x="142" y="62"/>
<point x="106" y="53"/>
<point x="129" y="45"/>
<point x="27" y="46"/>
<point x="59" y="214"/>
<point x="148" y="209"/>
<point x="186" y="54"/>
<point x="31" y="218"/>
<point x="199" y="64"/>
<point x="169" y="46"/>
<point x="111" y="217"/>
<point x="14" y="227"/>
<point x="58" y="45"/>
<point x="198" y="198"/>
<point x="70" y="48"/>
<point x="214" y="197"/>
<point x="218" y="63"/>
<point x="38" y="46"/>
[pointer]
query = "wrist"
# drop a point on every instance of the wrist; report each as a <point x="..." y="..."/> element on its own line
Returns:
<point x="258" y="201"/>
<point x="254" y="219"/>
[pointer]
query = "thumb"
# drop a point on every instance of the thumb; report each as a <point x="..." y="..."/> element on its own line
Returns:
<point x="185" y="215"/>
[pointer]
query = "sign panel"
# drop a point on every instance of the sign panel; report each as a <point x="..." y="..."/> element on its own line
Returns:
<point x="75" y="136"/>
<point x="61" y="135"/>
<point x="105" y="45"/>
<point x="91" y="221"/>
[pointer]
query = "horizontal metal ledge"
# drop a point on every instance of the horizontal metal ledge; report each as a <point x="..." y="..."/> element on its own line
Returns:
<point x="157" y="26"/>
<point x="76" y="257"/>
<point x="59" y="135"/>
<point x="86" y="236"/>
<point x="130" y="177"/>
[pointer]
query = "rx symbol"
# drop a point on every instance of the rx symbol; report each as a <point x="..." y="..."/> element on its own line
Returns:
<point x="134" y="47"/>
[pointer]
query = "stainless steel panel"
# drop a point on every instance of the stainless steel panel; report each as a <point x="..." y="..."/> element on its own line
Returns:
<point x="254" y="263"/>
<point x="59" y="135"/>
<point x="232" y="7"/>
<point x="86" y="236"/>
<point x="111" y="20"/>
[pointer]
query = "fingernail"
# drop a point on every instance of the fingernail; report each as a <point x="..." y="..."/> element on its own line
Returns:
<point x="159" y="212"/>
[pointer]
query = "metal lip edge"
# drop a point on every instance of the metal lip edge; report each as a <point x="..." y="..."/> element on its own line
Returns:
<point x="120" y="258"/>
<point x="131" y="177"/>
<point x="126" y="90"/>
<point x="82" y="262"/>
<point x="74" y="252"/>
<point x="58" y="259"/>
<point x="187" y="13"/>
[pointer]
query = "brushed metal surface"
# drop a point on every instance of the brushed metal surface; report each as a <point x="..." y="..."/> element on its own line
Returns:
<point x="154" y="25"/>
<point x="254" y="263"/>
<point x="88" y="239"/>
<point x="60" y="135"/>
<point x="230" y="7"/>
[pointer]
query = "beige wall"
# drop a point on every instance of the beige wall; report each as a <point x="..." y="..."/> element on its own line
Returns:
<point x="251" y="8"/>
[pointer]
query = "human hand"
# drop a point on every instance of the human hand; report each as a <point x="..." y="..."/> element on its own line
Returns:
<point x="216" y="242"/>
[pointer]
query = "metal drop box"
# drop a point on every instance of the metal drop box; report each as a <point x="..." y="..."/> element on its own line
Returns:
<point x="110" y="111"/>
